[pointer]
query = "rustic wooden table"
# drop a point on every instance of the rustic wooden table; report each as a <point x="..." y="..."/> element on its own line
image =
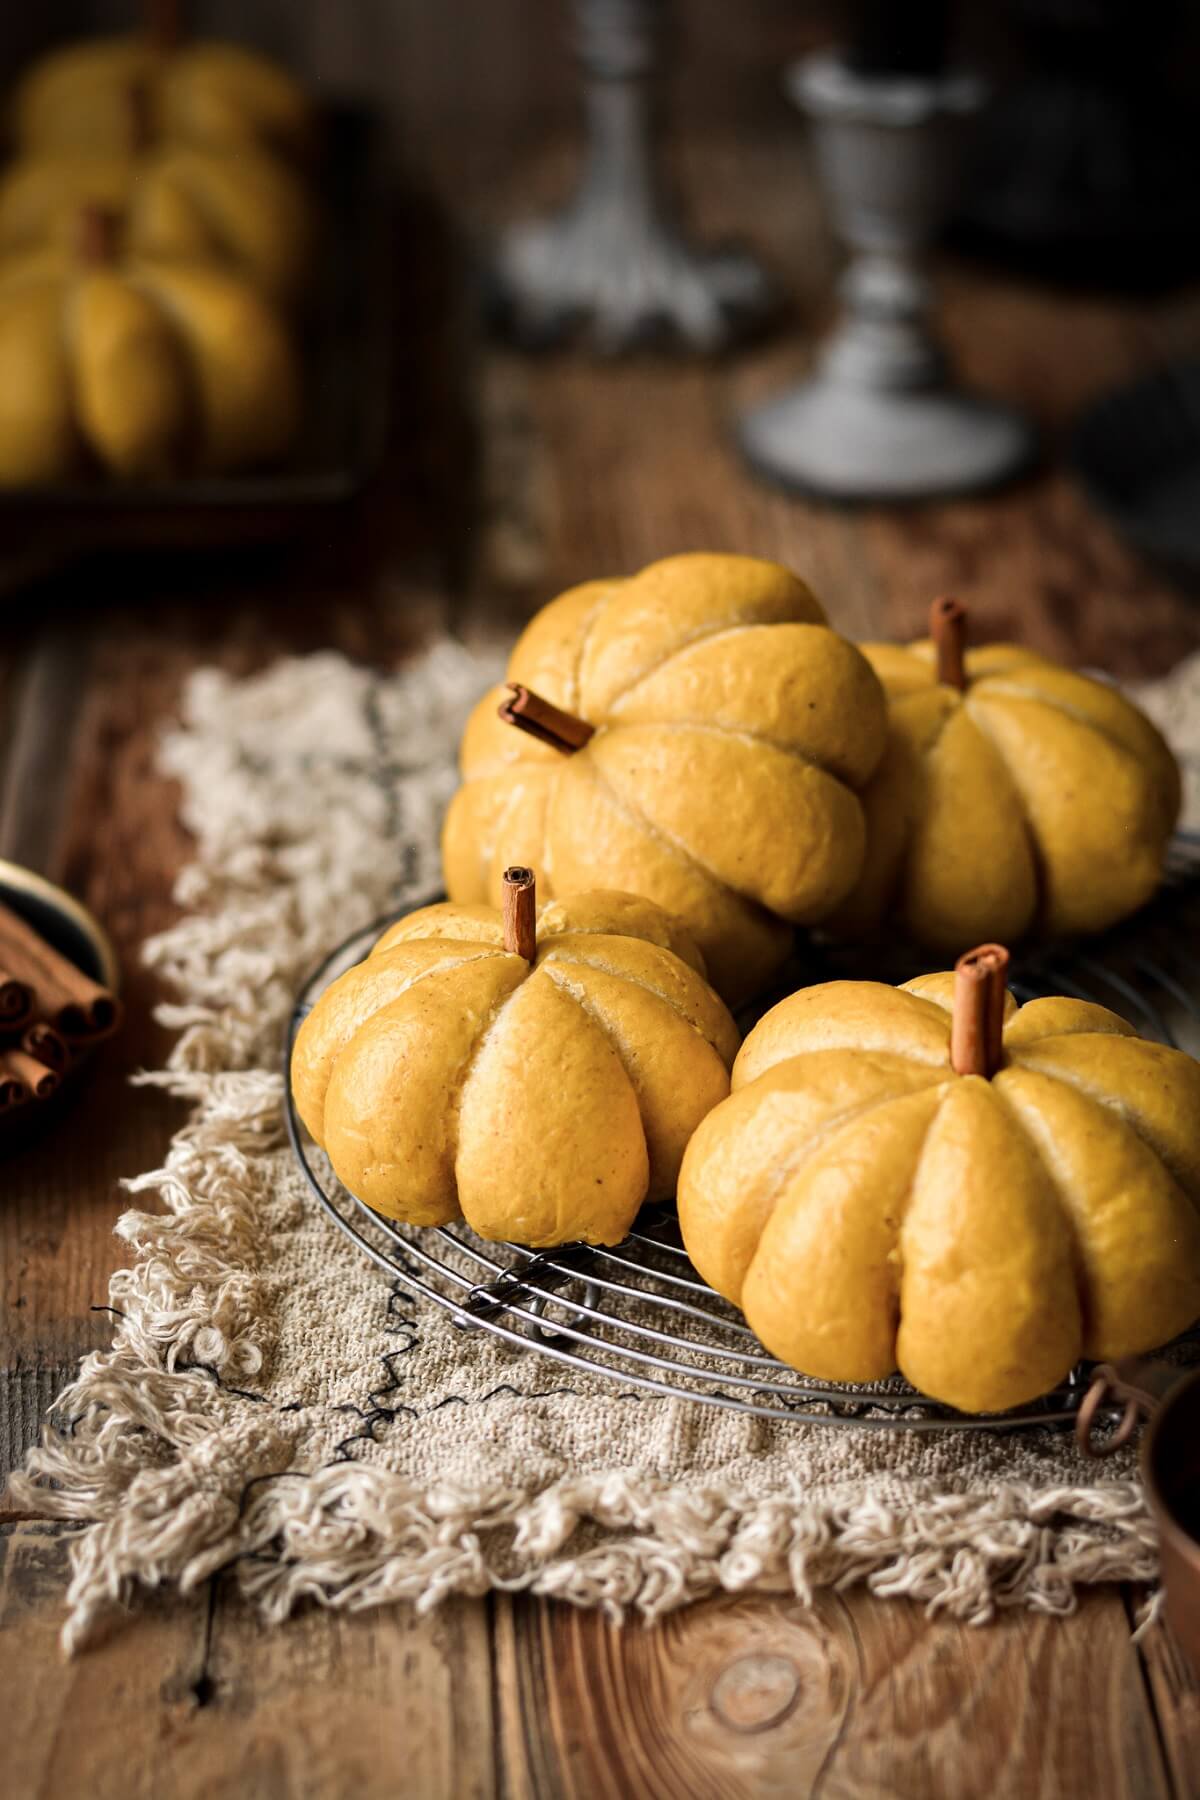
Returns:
<point x="509" y="480"/>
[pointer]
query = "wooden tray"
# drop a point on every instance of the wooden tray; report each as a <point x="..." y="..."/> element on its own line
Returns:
<point x="346" y="352"/>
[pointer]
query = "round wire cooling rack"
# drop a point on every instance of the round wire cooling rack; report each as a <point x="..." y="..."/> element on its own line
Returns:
<point x="638" y="1314"/>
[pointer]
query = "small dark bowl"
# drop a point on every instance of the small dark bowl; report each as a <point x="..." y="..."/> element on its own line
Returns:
<point x="1171" y="1468"/>
<point x="59" y="918"/>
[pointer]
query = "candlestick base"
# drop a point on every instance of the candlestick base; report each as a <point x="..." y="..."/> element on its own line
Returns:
<point x="622" y="282"/>
<point x="856" y="444"/>
<point x="615" y="267"/>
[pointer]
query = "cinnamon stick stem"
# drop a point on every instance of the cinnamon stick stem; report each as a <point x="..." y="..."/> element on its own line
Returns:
<point x="164" y="27"/>
<point x="997" y="994"/>
<point x="47" y="1045"/>
<point x="545" y="721"/>
<point x="69" y="1000"/>
<point x="96" y="231"/>
<point x="16" y="1002"/>
<point x="13" y="1092"/>
<point x="977" y="1018"/>
<point x="17" y="1065"/>
<point x="948" y="629"/>
<point x="520" y="913"/>
<point x="141" y="116"/>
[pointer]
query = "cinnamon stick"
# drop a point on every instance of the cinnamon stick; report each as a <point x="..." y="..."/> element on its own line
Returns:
<point x="997" y="995"/>
<point x="16" y="1002"/>
<point x="68" y="999"/>
<point x="96" y="234"/>
<point x="520" y="913"/>
<point x="141" y="116"/>
<point x="977" y="1018"/>
<point x="43" y="1042"/>
<point x="948" y="629"/>
<point x="164" y="27"/>
<point x="18" y="1065"/>
<point x="545" y="721"/>
<point x="13" y="1092"/>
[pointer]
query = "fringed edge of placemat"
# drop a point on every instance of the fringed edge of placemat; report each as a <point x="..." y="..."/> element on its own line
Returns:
<point x="136" y="1453"/>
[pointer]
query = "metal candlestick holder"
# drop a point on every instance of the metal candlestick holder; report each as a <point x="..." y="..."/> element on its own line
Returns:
<point x="614" y="266"/>
<point x="881" y="417"/>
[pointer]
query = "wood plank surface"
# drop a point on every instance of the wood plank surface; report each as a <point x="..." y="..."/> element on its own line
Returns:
<point x="196" y="1702"/>
<point x="1173" y="1693"/>
<point x="114" y="1725"/>
<point x="746" y="1699"/>
<point x="509" y="479"/>
<point x="732" y="1699"/>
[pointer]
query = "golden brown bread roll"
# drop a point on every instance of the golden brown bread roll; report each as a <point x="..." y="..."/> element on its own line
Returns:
<point x="102" y="95"/>
<point x="244" y="209"/>
<point x="1030" y="799"/>
<point x="543" y="1098"/>
<point x="730" y="730"/>
<point x="149" y="368"/>
<point x="870" y="1208"/>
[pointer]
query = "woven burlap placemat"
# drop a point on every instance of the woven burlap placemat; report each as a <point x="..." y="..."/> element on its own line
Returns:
<point x="272" y="1403"/>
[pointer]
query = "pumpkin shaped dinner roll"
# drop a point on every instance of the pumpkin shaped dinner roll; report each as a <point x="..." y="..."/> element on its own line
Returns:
<point x="1014" y="797"/>
<point x="696" y="734"/>
<point x="244" y="209"/>
<point x="96" y="94"/>
<point x="932" y="1178"/>
<point x="145" y="367"/>
<point x="536" y="1073"/>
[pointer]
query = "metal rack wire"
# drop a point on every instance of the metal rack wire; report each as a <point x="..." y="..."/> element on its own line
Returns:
<point x="638" y="1314"/>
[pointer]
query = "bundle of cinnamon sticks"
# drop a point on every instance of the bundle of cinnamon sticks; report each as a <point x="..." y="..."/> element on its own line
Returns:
<point x="50" y="1013"/>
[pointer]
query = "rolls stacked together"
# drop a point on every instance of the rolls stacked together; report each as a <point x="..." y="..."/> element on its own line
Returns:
<point x="157" y="233"/>
<point x="683" y="768"/>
